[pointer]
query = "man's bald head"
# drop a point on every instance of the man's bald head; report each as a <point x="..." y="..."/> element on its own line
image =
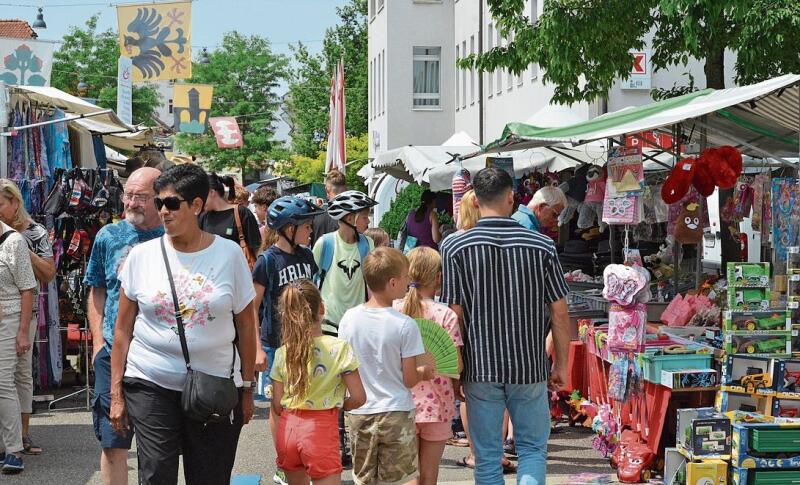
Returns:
<point x="140" y="210"/>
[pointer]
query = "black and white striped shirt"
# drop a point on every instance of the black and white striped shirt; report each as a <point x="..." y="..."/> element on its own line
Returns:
<point x="504" y="277"/>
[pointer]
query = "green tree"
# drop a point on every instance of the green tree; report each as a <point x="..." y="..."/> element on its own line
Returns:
<point x="245" y="74"/>
<point x="91" y="56"/>
<point x="583" y="46"/>
<point x="309" y="88"/>
<point x="312" y="169"/>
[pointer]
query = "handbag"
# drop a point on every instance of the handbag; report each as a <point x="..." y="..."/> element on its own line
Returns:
<point x="205" y="398"/>
<point x="251" y="259"/>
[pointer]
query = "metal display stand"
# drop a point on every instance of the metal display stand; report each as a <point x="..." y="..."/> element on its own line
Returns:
<point x="84" y="333"/>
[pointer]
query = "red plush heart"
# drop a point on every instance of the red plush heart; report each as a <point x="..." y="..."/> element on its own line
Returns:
<point x="703" y="179"/>
<point x="733" y="158"/>
<point x="677" y="184"/>
<point x="723" y="174"/>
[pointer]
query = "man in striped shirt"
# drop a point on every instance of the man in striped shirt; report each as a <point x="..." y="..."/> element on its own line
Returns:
<point x="502" y="279"/>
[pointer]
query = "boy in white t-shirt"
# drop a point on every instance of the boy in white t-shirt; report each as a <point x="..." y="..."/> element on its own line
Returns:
<point x="387" y="343"/>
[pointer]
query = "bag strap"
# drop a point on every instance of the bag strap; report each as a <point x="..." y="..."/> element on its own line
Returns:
<point x="179" y="317"/>
<point x="238" y="220"/>
<point x="5" y="236"/>
<point x="326" y="256"/>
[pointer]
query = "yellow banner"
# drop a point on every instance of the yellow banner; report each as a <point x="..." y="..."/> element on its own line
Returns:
<point x="158" y="39"/>
<point x="190" y="105"/>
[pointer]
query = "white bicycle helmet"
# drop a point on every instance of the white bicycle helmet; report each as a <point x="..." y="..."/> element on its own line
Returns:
<point x="349" y="202"/>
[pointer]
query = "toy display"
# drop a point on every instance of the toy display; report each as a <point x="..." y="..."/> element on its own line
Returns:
<point x="703" y="432"/>
<point x="635" y="464"/>
<point x="754" y="275"/>
<point x="626" y="327"/>
<point x="707" y="472"/>
<point x="751" y="403"/>
<point x="623" y="284"/>
<point x="738" y="321"/>
<point x="749" y="374"/>
<point x="788" y="381"/>
<point x="689" y="229"/>
<point x="759" y="344"/>
<point x="688" y="378"/>
<point x="753" y="299"/>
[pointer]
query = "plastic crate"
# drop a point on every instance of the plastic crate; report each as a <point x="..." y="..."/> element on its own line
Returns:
<point x="588" y="301"/>
<point x="653" y="364"/>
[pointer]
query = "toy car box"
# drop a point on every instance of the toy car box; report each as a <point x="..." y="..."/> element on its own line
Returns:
<point x="748" y="275"/>
<point x="743" y="373"/>
<point x="688" y="378"/>
<point x="727" y="401"/>
<point x="787" y="410"/>
<point x="703" y="432"/>
<point x="707" y="472"/>
<point x="746" y="321"/>
<point x="771" y="345"/>
<point x="787" y="377"/>
<point x="765" y="445"/>
<point x="753" y="299"/>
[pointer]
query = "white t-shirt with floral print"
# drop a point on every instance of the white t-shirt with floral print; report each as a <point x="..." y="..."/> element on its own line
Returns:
<point x="212" y="285"/>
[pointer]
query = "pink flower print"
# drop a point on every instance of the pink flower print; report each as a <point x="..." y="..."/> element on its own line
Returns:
<point x="430" y="396"/>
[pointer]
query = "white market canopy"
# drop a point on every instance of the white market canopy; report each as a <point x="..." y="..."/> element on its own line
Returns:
<point x="116" y="133"/>
<point x="762" y="120"/>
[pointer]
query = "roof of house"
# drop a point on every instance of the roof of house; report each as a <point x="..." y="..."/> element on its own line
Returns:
<point x="16" y="29"/>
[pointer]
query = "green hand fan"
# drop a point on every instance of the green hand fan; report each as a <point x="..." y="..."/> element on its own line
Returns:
<point x="440" y="345"/>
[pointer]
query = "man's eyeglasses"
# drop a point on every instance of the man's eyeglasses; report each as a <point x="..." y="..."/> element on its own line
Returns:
<point x="172" y="203"/>
<point x="136" y="197"/>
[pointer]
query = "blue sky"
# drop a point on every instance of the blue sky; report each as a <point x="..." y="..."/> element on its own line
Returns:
<point x="283" y="22"/>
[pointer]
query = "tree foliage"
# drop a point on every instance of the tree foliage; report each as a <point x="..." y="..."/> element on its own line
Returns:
<point x="309" y="88"/>
<point x="91" y="56"/>
<point x="245" y="74"/>
<point x="583" y="46"/>
<point x="312" y="169"/>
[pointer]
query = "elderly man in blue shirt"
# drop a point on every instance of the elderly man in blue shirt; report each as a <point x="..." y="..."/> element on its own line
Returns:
<point x="541" y="213"/>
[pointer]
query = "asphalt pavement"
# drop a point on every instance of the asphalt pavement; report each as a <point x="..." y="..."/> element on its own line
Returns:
<point x="71" y="454"/>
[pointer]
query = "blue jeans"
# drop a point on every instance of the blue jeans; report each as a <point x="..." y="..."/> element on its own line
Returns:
<point x="529" y="408"/>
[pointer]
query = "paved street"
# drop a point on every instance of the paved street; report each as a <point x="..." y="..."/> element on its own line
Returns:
<point x="71" y="454"/>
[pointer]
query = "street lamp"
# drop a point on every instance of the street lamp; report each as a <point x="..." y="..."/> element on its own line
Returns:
<point x="204" y="56"/>
<point x="39" y="22"/>
<point x="83" y="88"/>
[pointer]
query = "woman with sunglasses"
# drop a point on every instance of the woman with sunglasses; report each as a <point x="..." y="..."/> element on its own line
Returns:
<point x="215" y="297"/>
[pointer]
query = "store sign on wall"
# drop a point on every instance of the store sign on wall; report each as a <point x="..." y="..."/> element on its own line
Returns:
<point x="641" y="71"/>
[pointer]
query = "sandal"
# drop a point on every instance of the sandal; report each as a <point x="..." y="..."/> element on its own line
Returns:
<point x="509" y="466"/>
<point x="28" y="448"/>
<point x="459" y="442"/>
<point x="463" y="462"/>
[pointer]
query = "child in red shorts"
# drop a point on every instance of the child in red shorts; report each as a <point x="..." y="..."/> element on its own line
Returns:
<point x="435" y="398"/>
<point x="310" y="374"/>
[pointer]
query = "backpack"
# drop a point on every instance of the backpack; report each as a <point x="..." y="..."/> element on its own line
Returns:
<point x="328" y="247"/>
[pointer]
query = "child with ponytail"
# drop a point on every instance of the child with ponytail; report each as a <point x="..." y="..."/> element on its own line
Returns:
<point x="309" y="377"/>
<point x="434" y="399"/>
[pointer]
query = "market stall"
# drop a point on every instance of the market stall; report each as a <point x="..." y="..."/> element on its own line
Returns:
<point x="675" y="337"/>
<point x="54" y="149"/>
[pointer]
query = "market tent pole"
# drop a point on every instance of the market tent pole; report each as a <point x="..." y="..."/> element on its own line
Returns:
<point x="60" y="120"/>
<point x="677" y="249"/>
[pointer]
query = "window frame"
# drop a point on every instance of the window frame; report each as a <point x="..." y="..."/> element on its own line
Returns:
<point x="426" y="96"/>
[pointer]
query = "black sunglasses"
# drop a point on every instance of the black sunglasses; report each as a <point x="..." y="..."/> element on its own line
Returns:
<point x="172" y="203"/>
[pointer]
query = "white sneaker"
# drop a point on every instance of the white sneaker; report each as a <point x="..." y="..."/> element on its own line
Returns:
<point x="279" y="478"/>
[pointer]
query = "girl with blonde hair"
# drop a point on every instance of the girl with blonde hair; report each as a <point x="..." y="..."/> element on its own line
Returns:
<point x="469" y="213"/>
<point x="309" y="377"/>
<point x="434" y="399"/>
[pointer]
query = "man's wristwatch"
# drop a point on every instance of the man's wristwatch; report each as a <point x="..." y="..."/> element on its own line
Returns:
<point x="249" y="385"/>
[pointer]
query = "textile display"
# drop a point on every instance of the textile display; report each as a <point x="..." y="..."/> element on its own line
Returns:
<point x="785" y="215"/>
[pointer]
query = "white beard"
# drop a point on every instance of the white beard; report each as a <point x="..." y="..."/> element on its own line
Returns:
<point x="134" y="218"/>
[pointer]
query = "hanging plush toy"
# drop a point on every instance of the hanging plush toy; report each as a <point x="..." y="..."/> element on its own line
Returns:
<point x="689" y="229"/>
<point x="716" y="167"/>
<point x="592" y="208"/>
<point x="575" y="190"/>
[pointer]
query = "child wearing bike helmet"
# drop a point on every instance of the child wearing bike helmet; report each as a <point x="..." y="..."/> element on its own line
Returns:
<point x="281" y="264"/>
<point x="340" y="257"/>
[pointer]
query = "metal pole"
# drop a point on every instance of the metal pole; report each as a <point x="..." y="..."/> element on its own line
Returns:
<point x="676" y="247"/>
<point x="699" y="256"/>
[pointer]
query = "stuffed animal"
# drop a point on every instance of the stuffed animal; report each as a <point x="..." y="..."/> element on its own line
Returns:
<point x="689" y="229"/>
<point x="592" y="208"/>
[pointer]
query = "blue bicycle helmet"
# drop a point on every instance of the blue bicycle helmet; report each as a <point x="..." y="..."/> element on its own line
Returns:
<point x="290" y="210"/>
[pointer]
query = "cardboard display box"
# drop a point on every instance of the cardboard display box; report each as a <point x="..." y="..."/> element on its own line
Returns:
<point x="752" y="299"/>
<point x="703" y="432"/>
<point x="728" y="400"/>
<point x="741" y="322"/>
<point x="748" y="275"/>
<point x="743" y="373"/>
<point x="776" y="344"/>
<point x="689" y="378"/>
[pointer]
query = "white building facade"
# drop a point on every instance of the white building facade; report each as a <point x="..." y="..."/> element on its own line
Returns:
<point x="414" y="42"/>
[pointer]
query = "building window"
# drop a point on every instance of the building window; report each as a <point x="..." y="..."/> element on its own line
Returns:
<point x="371" y="89"/>
<point x="170" y="106"/>
<point x="463" y="78"/>
<point x="426" y="77"/>
<point x="472" y="71"/>
<point x="380" y="83"/>
<point x="372" y="9"/>
<point x="383" y="81"/>
<point x="380" y="5"/>
<point x="458" y="70"/>
<point x="490" y="45"/>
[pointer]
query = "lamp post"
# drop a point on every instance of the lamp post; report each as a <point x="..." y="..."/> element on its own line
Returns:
<point x="39" y="23"/>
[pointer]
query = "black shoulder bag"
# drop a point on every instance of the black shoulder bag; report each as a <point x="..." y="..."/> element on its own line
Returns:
<point x="205" y="398"/>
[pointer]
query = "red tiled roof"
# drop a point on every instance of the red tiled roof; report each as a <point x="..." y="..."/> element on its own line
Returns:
<point x="16" y="29"/>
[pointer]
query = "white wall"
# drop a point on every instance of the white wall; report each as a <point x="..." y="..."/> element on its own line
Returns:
<point x="393" y="33"/>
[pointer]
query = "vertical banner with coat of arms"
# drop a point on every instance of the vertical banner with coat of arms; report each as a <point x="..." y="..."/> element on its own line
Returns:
<point x="157" y="37"/>
<point x="190" y="105"/>
<point x="226" y="131"/>
<point x="25" y="62"/>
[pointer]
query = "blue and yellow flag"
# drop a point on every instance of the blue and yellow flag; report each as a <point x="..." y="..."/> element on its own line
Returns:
<point x="157" y="37"/>
<point x="190" y="106"/>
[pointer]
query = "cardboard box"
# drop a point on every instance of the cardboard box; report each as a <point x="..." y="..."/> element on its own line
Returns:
<point x="741" y="458"/>
<point x="752" y="299"/>
<point x="674" y="467"/>
<point x="748" y="275"/>
<point x="762" y="321"/>
<point x="703" y="432"/>
<point x="776" y="344"/>
<point x="707" y="472"/>
<point x="688" y="378"/>
<point x="728" y="400"/>
<point x="787" y="377"/>
<point x="743" y="373"/>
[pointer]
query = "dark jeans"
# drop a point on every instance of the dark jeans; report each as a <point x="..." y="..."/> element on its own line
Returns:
<point x="163" y="433"/>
